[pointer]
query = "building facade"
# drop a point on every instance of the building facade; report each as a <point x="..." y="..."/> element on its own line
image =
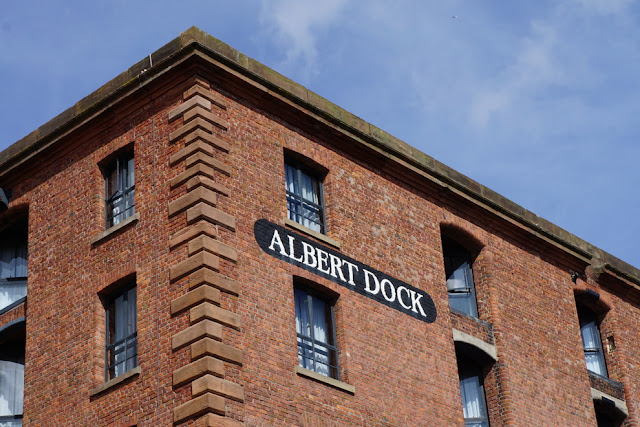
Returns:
<point x="202" y="241"/>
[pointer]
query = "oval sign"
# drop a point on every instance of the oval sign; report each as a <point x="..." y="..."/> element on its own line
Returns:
<point x="298" y="250"/>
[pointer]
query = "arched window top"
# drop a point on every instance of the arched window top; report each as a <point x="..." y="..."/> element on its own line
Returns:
<point x="592" y="300"/>
<point x="610" y="411"/>
<point x="473" y="348"/>
<point x="308" y="163"/>
<point x="462" y="237"/>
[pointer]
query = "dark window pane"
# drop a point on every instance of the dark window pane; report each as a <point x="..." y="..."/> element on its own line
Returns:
<point x="463" y="303"/>
<point x="474" y="405"/>
<point x="11" y="387"/>
<point x="122" y="344"/>
<point x="591" y="341"/>
<point x="460" y="286"/>
<point x="304" y="197"/>
<point x="12" y="377"/>
<point x="13" y="265"/>
<point x="120" y="189"/>
<point x="316" y="334"/>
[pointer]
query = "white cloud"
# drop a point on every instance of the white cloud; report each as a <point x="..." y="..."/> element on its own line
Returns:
<point x="487" y="104"/>
<point x="297" y="24"/>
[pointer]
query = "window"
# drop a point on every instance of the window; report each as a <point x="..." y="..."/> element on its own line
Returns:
<point x="591" y="341"/>
<point x="604" y="420"/>
<point x="122" y="337"/>
<point x="460" y="287"/>
<point x="119" y="189"/>
<point x="474" y="404"/>
<point x="13" y="265"/>
<point x="315" y="326"/>
<point x="304" y="197"/>
<point x="12" y="344"/>
<point x="608" y="413"/>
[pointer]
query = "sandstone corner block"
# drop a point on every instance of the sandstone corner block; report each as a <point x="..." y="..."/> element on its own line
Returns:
<point x="209" y="347"/>
<point x="215" y="385"/>
<point x="195" y="297"/>
<point x="200" y="405"/>
<point x="203" y="329"/>
<point x="205" y="366"/>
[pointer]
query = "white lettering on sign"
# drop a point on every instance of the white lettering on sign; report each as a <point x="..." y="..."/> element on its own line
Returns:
<point x="309" y="254"/>
<point x="352" y="268"/>
<point x="276" y="240"/>
<point x="369" y="278"/>
<point x="415" y="302"/>
<point x="400" y="300"/>
<point x="299" y="250"/>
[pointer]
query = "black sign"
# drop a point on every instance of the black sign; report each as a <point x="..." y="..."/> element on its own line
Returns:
<point x="298" y="250"/>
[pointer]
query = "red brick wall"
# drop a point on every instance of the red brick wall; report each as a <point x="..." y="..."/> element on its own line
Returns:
<point x="404" y="371"/>
<point x="65" y="317"/>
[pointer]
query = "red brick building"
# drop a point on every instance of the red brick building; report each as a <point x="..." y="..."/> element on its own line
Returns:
<point x="202" y="241"/>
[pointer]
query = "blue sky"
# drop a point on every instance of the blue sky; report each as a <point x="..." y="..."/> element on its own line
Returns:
<point x="539" y="101"/>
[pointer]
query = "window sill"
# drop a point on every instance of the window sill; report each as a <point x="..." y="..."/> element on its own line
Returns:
<point x="326" y="239"/>
<point x="470" y="317"/>
<point x="115" y="381"/>
<point x="12" y="305"/>
<point x="133" y="218"/>
<point x="619" y="405"/>
<point x="324" y="379"/>
<point x="606" y="385"/>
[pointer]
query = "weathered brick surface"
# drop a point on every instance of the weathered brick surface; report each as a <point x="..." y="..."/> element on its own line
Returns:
<point x="604" y="385"/>
<point x="404" y="370"/>
<point x="473" y="327"/>
<point x="65" y="316"/>
<point x="13" y="314"/>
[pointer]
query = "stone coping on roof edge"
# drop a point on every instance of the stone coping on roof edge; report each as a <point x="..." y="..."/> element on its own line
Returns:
<point x="195" y="39"/>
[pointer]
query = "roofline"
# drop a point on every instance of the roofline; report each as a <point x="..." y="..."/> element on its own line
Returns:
<point x="196" y="41"/>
